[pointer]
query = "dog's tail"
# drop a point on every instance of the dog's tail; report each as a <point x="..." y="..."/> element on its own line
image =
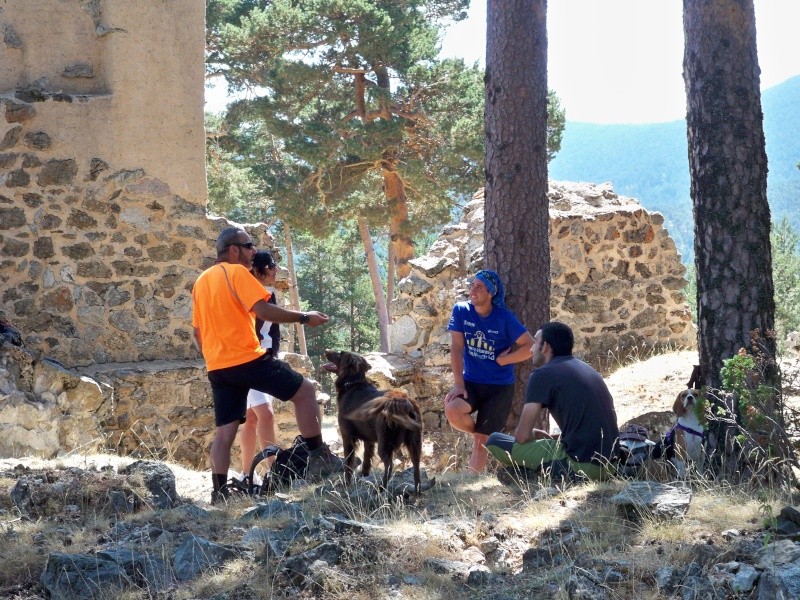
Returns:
<point x="394" y="406"/>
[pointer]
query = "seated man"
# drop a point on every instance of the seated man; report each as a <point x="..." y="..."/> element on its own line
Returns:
<point x="577" y="397"/>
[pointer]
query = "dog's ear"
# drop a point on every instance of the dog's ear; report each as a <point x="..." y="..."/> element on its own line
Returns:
<point x="678" y="408"/>
<point x="349" y="365"/>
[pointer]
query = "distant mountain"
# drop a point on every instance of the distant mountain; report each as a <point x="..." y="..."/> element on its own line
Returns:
<point x="650" y="162"/>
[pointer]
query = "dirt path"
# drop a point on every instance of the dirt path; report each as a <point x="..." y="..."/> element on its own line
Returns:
<point x="650" y="385"/>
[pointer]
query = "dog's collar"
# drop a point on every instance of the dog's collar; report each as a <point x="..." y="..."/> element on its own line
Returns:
<point x="682" y="427"/>
<point x="350" y="381"/>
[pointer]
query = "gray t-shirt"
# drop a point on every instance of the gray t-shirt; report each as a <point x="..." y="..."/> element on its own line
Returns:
<point x="579" y="400"/>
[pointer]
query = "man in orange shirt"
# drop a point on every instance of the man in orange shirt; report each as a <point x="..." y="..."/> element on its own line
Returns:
<point x="227" y="298"/>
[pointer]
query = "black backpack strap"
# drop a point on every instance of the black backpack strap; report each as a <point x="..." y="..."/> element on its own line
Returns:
<point x="266" y="453"/>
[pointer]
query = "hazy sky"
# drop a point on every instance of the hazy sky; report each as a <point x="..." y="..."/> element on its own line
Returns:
<point x="621" y="61"/>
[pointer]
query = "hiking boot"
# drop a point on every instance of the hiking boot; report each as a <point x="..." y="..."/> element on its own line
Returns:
<point x="323" y="463"/>
<point x="220" y="496"/>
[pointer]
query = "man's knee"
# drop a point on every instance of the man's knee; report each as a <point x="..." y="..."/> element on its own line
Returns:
<point x="501" y="440"/>
<point x="456" y="409"/>
<point x="304" y="392"/>
<point x="499" y="446"/>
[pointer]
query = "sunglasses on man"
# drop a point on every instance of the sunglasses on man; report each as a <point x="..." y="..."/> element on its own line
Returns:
<point x="248" y="245"/>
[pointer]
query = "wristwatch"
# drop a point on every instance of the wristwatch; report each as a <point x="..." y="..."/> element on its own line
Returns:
<point x="303" y="318"/>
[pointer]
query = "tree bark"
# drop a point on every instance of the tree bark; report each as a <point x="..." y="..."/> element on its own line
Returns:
<point x="390" y="276"/>
<point x="728" y="169"/>
<point x="395" y="190"/>
<point x="293" y="294"/>
<point x="517" y="223"/>
<point x="377" y="288"/>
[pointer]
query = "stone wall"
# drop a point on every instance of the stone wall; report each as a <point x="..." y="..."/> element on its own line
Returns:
<point x="149" y="409"/>
<point x="616" y="279"/>
<point x="102" y="177"/>
<point x="103" y="229"/>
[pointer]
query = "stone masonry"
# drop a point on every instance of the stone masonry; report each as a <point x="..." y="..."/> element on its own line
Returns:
<point x="616" y="279"/>
<point x="608" y="252"/>
<point x="103" y="224"/>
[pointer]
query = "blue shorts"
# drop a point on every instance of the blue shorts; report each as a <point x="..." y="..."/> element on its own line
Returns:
<point x="493" y="404"/>
<point x="229" y="386"/>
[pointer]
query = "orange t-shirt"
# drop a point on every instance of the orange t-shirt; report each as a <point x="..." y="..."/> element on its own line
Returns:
<point x="227" y="328"/>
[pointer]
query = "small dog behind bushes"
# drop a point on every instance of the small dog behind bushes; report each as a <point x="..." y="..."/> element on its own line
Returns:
<point x="389" y="419"/>
<point x="686" y="438"/>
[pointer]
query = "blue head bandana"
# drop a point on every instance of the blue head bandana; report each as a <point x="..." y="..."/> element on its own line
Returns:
<point x="493" y="284"/>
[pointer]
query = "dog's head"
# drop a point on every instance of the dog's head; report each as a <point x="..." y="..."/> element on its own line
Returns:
<point x="686" y="401"/>
<point x="345" y="364"/>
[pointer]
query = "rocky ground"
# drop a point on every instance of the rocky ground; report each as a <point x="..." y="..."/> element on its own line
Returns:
<point x="81" y="521"/>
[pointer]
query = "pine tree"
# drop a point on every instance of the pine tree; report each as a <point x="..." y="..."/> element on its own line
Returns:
<point x="355" y="93"/>
<point x="332" y="276"/>
<point x="728" y="167"/>
<point x="517" y="223"/>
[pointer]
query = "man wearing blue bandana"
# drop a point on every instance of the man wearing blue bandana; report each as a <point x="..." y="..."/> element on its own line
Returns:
<point x="486" y="340"/>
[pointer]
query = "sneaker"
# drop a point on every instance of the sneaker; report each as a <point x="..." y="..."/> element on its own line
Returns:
<point x="244" y="479"/>
<point x="323" y="463"/>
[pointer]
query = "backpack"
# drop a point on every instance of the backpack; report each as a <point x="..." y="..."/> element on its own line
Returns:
<point x="290" y="463"/>
<point x="634" y="449"/>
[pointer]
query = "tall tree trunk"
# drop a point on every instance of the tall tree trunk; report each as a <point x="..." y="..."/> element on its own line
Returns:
<point x="517" y="225"/>
<point x="390" y="276"/>
<point x="395" y="191"/>
<point x="377" y="288"/>
<point x="293" y="294"/>
<point x="728" y="168"/>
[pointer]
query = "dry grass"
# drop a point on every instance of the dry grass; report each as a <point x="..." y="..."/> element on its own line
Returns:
<point x="460" y="512"/>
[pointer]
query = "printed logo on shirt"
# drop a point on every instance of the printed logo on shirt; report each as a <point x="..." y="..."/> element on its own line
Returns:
<point x="480" y="347"/>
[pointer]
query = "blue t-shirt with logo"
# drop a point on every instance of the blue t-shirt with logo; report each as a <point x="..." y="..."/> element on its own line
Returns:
<point x="484" y="339"/>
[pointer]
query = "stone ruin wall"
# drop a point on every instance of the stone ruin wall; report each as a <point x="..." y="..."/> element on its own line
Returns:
<point x="616" y="279"/>
<point x="612" y="255"/>
<point x="103" y="229"/>
<point x="103" y="225"/>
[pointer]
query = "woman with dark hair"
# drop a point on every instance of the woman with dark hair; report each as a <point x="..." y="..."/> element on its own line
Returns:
<point x="260" y="419"/>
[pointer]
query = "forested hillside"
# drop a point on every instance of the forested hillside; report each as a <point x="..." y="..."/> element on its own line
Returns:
<point x="650" y="162"/>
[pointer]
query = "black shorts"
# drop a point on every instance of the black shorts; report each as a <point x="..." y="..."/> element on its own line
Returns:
<point x="229" y="386"/>
<point x="493" y="403"/>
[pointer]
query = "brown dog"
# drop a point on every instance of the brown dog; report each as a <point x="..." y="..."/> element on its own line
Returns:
<point x="389" y="419"/>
